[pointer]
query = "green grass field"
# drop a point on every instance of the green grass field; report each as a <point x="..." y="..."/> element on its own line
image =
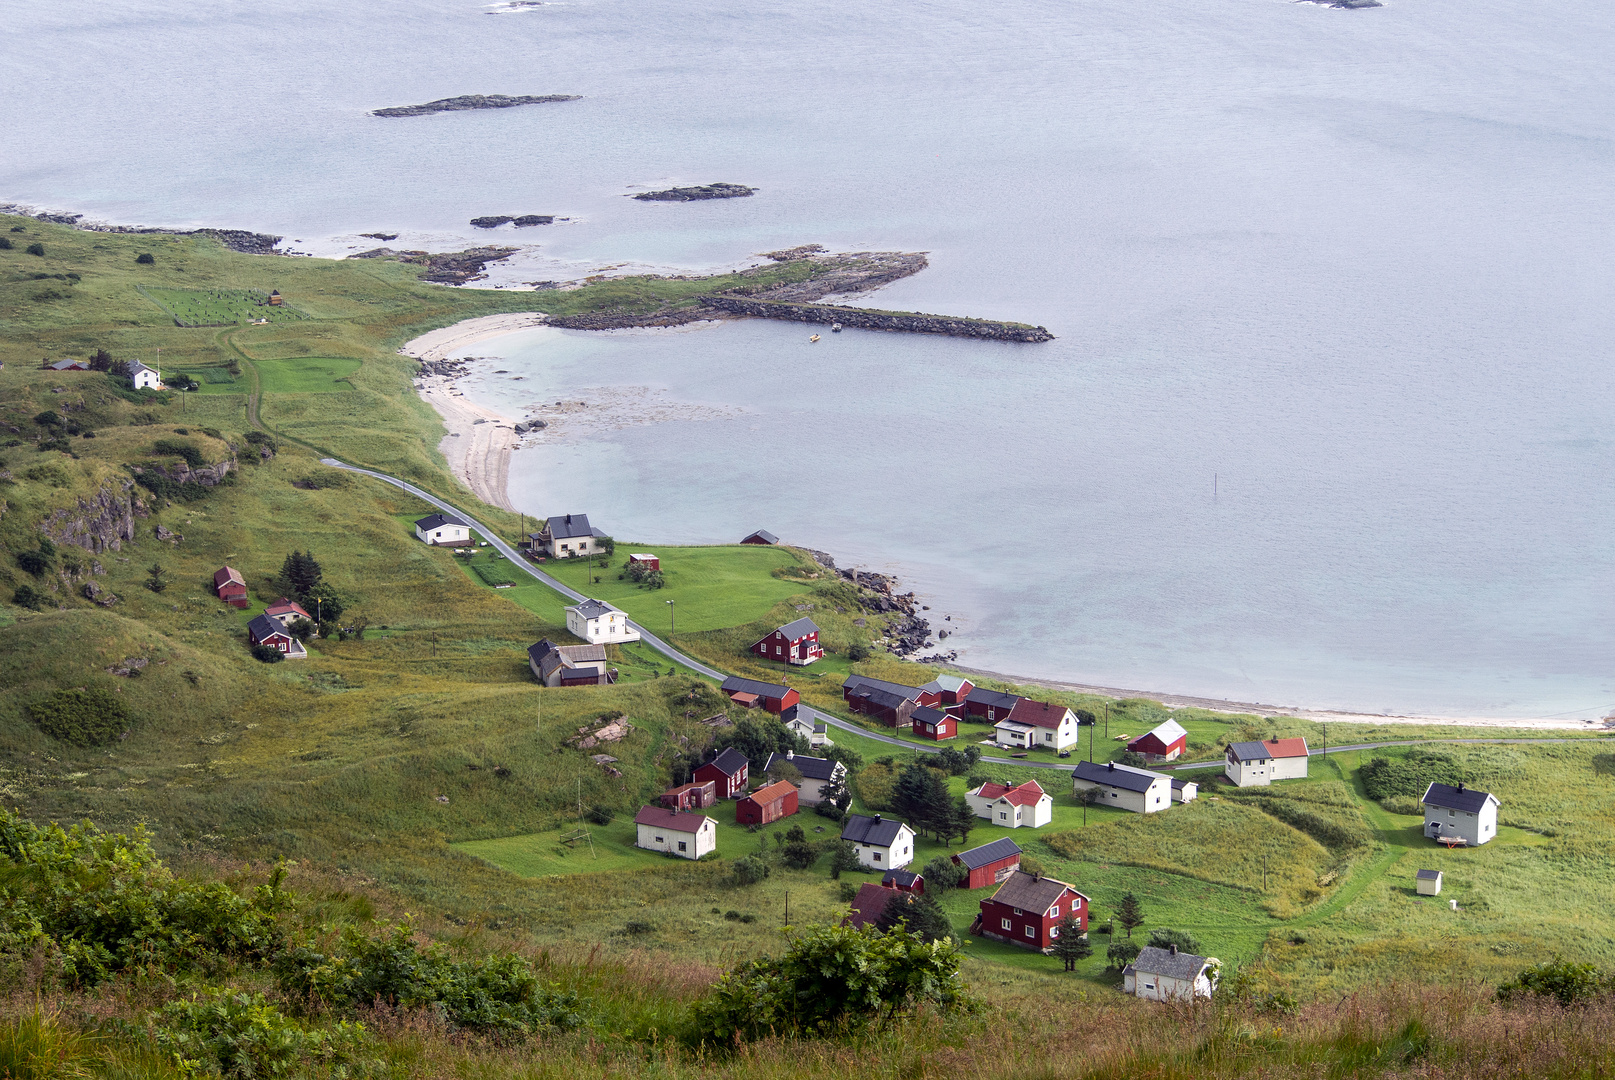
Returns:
<point x="307" y="375"/>
<point x="220" y="307"/>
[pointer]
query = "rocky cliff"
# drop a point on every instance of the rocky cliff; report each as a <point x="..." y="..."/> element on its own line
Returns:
<point x="100" y="523"/>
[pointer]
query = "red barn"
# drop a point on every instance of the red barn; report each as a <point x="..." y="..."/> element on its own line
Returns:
<point x="1162" y="744"/>
<point x="1027" y="909"/>
<point x="990" y="863"/>
<point x="945" y="692"/>
<point x="794" y="643"/>
<point x="766" y="804"/>
<point x="727" y="772"/>
<point x="990" y="705"/>
<point x="934" y="724"/>
<point x="761" y="536"/>
<point x="231" y="586"/>
<point x="649" y="562"/>
<point x="688" y="797"/>
<point x="776" y="699"/>
<point x="893" y="704"/>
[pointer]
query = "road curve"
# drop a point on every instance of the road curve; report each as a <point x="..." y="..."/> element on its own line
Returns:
<point x="811" y="713"/>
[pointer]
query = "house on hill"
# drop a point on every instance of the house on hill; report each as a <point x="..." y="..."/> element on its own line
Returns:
<point x="1124" y="787"/>
<point x="1012" y="807"/>
<point x="230" y="586"/>
<point x="869" y="905"/>
<point x="1459" y="812"/>
<point x="286" y="612"/>
<point x="1037" y="725"/>
<point x="816" y="732"/>
<point x="599" y="623"/>
<point x="1166" y="742"/>
<point x="566" y="536"/>
<point x="570" y="665"/>
<point x="143" y="377"/>
<point x="773" y="697"/>
<point x="929" y="723"/>
<point x="794" y="643"/>
<point x="1258" y="764"/>
<point x="989" y="705"/>
<point x="761" y="536"/>
<point x="264" y="630"/>
<point x="989" y="864"/>
<point x="729" y="773"/>
<point x="892" y="704"/>
<point x="881" y="843"/>
<point x="1027" y="909"/>
<point x="442" y="529"/>
<point x="1170" y="975"/>
<point x="817" y="774"/>
<point x="70" y="365"/>
<point x="945" y="692"/>
<point x="689" y="836"/>
<point x="766" y="804"/>
<point x="696" y="795"/>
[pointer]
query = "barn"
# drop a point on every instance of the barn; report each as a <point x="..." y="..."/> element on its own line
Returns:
<point x="945" y="692"/>
<point x="766" y="804"/>
<point x="1164" y="743"/>
<point x="649" y="562"/>
<point x="893" y="704"/>
<point x="934" y="724"/>
<point x="989" y="705"/>
<point x="989" y="864"/>
<point x="231" y="586"/>
<point x="771" y="696"/>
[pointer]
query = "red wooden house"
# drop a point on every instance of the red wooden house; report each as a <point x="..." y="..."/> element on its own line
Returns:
<point x="903" y="881"/>
<point x="991" y="705"/>
<point x="1163" y="743"/>
<point x="934" y="724"/>
<point x="893" y="704"/>
<point x="263" y="630"/>
<point x="231" y="586"/>
<point x="649" y="562"/>
<point x="766" y="804"/>
<point x="753" y="694"/>
<point x="1027" y="909"/>
<point x="761" y="536"/>
<point x="945" y="692"/>
<point x="990" y="863"/>
<point x="794" y="643"/>
<point x="693" y="796"/>
<point x="727" y="772"/>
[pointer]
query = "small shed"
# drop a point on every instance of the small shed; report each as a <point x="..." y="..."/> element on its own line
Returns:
<point x="728" y="773"/>
<point x="767" y="804"/>
<point x="230" y="586"/>
<point x="697" y="795"/>
<point x="1427" y="882"/>
<point x="991" y="863"/>
<point x="761" y="536"/>
<point x="275" y="298"/>
<point x="649" y="562"/>
<point x="903" y="881"/>
<point x="929" y="723"/>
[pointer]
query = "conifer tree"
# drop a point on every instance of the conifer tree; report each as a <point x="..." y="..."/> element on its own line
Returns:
<point x="1070" y="946"/>
<point x="1130" y="913"/>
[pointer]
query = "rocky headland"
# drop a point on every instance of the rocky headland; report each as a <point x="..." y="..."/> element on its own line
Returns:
<point x="241" y="240"/>
<point x="474" y="101"/>
<point x="697" y="193"/>
<point x="445" y="267"/>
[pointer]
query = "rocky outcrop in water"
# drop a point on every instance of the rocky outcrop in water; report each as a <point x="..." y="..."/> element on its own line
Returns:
<point x="445" y="267"/>
<point x="913" y="323"/>
<point x="250" y="243"/>
<point x="697" y="194"/>
<point x="494" y="221"/>
<point x="473" y="101"/>
<point x="97" y="524"/>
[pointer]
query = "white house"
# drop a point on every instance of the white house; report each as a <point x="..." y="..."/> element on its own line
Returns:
<point x="1460" y="811"/>
<point x="1169" y="975"/>
<point x="145" y="378"/>
<point x="1037" y="725"/>
<point x="1124" y="787"/>
<point x="442" y="529"/>
<point x="816" y="732"/>
<point x="1012" y="807"/>
<point x="1184" y="790"/>
<point x="1427" y="882"/>
<point x="881" y="843"/>
<point x="689" y="836"/>
<point x="817" y="774"/>
<point x="567" y="536"/>
<point x="599" y="624"/>
<point x="1257" y="764"/>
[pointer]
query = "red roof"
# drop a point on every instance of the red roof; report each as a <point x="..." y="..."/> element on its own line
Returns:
<point x="778" y="789"/>
<point x="227" y="575"/>
<point x="868" y="905"/>
<point x="1028" y="794"/>
<point x="284" y="606"/>
<point x="1037" y="713"/>
<point x="671" y="820"/>
<point x="1286" y="747"/>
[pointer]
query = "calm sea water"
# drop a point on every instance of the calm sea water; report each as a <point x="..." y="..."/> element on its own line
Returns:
<point x="1354" y="264"/>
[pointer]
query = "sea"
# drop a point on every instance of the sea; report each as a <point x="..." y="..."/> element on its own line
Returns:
<point x="1327" y="418"/>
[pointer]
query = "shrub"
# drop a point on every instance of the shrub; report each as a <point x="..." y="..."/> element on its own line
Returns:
<point x="82" y="716"/>
<point x="26" y="596"/>
<point x="1568" y="984"/>
<point x="599" y="815"/>
<point x="1409" y="775"/>
<point x="1030" y="865"/>
<point x="48" y="418"/>
<point x="178" y="448"/>
<point x="942" y="874"/>
<point x="1121" y="953"/>
<point x="875" y="783"/>
<point x="858" y="651"/>
<point x="1403" y="804"/>
<point x="36" y="563"/>
<point x="145" y="258"/>
<point x="36" y="248"/>
<point x="5" y="243"/>
<point x="301" y="629"/>
<point x="1164" y="938"/>
<point x="749" y="870"/>
<point x="268" y="654"/>
<point x="236" y="1034"/>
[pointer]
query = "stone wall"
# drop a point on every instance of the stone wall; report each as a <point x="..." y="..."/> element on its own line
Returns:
<point x="826" y="314"/>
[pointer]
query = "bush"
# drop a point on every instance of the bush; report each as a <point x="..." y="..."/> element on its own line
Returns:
<point x="1403" y="804"/>
<point x="599" y="815"/>
<point x="26" y="596"/>
<point x="178" y="448"/>
<point x="858" y="651"/>
<point x="1030" y="865"/>
<point x="48" y="418"/>
<point x="1568" y="984"/>
<point x="235" y="1034"/>
<point x="145" y="258"/>
<point x="749" y="870"/>
<point x="36" y="563"/>
<point x="83" y="716"/>
<point x="875" y="783"/>
<point x="36" y="248"/>
<point x="267" y="654"/>
<point x="5" y="243"/>
<point x="1384" y="778"/>
<point x="1121" y="953"/>
<point x="942" y="874"/>
<point x="1164" y="938"/>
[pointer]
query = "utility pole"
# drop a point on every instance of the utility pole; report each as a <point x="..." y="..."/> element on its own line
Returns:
<point x="1325" y="728"/>
<point x="1090" y="743"/>
<point x="1107" y="719"/>
<point x="672" y="620"/>
<point x="1264" y="872"/>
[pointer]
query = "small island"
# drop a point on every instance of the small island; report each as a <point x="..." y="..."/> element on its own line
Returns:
<point x="474" y="101"/>
<point x="695" y="194"/>
<point x="495" y="220"/>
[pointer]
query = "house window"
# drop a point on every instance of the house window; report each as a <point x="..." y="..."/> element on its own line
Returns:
<point x="1030" y="932"/>
<point x="682" y="846"/>
<point x="1004" y="924"/>
<point x="1054" y="932"/>
<point x="659" y="840"/>
<point x="1002" y="815"/>
<point x="877" y="856"/>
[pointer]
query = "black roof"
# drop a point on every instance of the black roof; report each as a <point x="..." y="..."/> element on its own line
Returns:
<point x="1170" y="964"/>
<point x="931" y="716"/>
<point x="904" y="693"/>
<point x="1178" y="782"/>
<point x="877" y="830"/>
<point x="983" y="696"/>
<point x="1113" y="775"/>
<point x="262" y="626"/>
<point x="1250" y="751"/>
<point x="763" y="535"/>
<point x="568" y="526"/>
<point x="735" y="683"/>
<point x="902" y="879"/>
<point x="1456" y="798"/>
<point x="875" y="694"/>
<point x="730" y="762"/>
<point x="976" y="857"/>
<point x="1428" y="875"/>
<point x="814" y="768"/>
<point x="434" y="521"/>
<point x="799" y="629"/>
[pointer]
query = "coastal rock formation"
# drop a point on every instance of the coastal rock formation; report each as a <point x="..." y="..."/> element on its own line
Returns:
<point x="697" y="194"/>
<point x="250" y="243"/>
<point x="494" y="221"/>
<point x="181" y="473"/>
<point x="380" y="235"/>
<point x="473" y="101"/>
<point x="622" y="320"/>
<point x="98" y="524"/>
<point x="445" y="267"/>
<point x="913" y="323"/>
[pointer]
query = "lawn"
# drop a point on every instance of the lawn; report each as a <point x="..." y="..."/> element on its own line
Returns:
<point x="220" y="307"/>
<point x="307" y="375"/>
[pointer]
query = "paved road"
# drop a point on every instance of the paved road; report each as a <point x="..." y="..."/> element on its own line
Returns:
<point x="807" y="710"/>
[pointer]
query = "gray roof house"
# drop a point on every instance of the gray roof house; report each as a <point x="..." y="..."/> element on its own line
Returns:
<point x="1170" y="975"/>
<point x="1123" y="786"/>
<point x="761" y="536"/>
<point x="881" y="843"/>
<point x="567" y="535"/>
<point x="570" y="665"/>
<point x="817" y="774"/>
<point x="1459" y="815"/>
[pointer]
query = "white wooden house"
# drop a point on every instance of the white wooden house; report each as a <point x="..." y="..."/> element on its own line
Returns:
<point x="1122" y="786"/>
<point x="1460" y="812"/>
<point x="817" y="774"/>
<point x="1037" y="725"/>
<point x="145" y="378"/>
<point x="1170" y="975"/>
<point x="816" y="732"/>
<point x="881" y="843"/>
<point x="442" y="529"/>
<point x="1258" y="764"/>
<point x="689" y="836"/>
<point x="1012" y="807"/>
<point x="599" y="623"/>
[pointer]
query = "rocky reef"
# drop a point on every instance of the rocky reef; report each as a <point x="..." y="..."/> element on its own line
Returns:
<point x="697" y="194"/>
<point x="908" y="322"/>
<point x="249" y="243"/>
<point x="473" y="101"/>
<point x="496" y="220"/>
<point x="445" y="267"/>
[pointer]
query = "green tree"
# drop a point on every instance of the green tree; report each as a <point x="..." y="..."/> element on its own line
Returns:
<point x="843" y="856"/>
<point x="1071" y="945"/>
<point x="301" y="629"/>
<point x="1121" y="953"/>
<point x="1130" y="913"/>
<point x="964" y="819"/>
<point x="749" y="870"/>
<point x="155" y="580"/>
<point x="858" y="651"/>
<point x="26" y="596"/>
<point x="322" y="602"/>
<point x="919" y="913"/>
<point x="757" y="737"/>
<point x="957" y="762"/>
<point x="921" y="796"/>
<point x="299" y="574"/>
<point x="1165" y="938"/>
<point x="942" y="874"/>
<point x="798" y="852"/>
<point x="83" y="716"/>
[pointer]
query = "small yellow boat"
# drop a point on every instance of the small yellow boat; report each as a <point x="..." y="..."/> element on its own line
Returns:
<point x="815" y="337"/>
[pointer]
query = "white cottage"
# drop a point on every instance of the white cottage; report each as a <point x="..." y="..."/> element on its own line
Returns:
<point x="1184" y="791"/>
<point x="1124" y="787"/>
<point x="442" y="529"/>
<point x="599" y="624"/>
<point x="1460" y="812"/>
<point x="816" y="732"/>
<point x="1012" y="807"/>
<point x="881" y="843"/>
<point x="1170" y="975"/>
<point x="689" y="836"/>
<point x="145" y="378"/>
<point x="1258" y="764"/>
<point x="1037" y="725"/>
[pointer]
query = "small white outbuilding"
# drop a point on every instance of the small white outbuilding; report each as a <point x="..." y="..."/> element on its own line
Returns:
<point x="1427" y="882"/>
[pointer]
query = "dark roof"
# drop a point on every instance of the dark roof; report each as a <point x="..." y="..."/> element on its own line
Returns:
<point x="992" y="697"/>
<point x="1029" y="892"/>
<point x="671" y="820"/>
<point x="1172" y="965"/>
<point x="262" y="626"/>
<point x="593" y="609"/>
<point x="1428" y="875"/>
<point x="752" y="686"/>
<point x="730" y="762"/>
<point x="978" y="857"/>
<point x="1250" y="751"/>
<point x="1178" y="782"/>
<point x="877" y="830"/>
<point x="885" y="699"/>
<point x="902" y="879"/>
<point x="814" y="768"/>
<point x="799" y="629"/>
<point x="1116" y="776"/>
<point x="869" y="904"/>
<point x="926" y="714"/>
<point x="568" y="526"/>
<point x="1456" y="798"/>
<point x="904" y="693"/>
<point x="761" y="534"/>
<point x="434" y="521"/>
<point x="548" y="656"/>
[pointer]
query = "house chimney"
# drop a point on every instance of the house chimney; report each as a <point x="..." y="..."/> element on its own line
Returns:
<point x="1460" y="785"/>
<point x="1110" y="766"/>
<point x="1174" y="949"/>
<point x="789" y="754"/>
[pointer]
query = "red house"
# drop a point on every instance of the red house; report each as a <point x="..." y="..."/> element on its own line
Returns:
<point x="1162" y="744"/>
<point x="649" y="562"/>
<point x="794" y="643"/>
<point x="231" y="586"/>
<point x="1027" y="909"/>
<point x="903" y="881"/>
<point x="263" y="630"/>
<point x="990" y="863"/>
<point x="761" y="536"/>
<point x="893" y="704"/>
<point x="751" y="693"/>
<point x="934" y="724"/>
<point x="766" y="804"/>
<point x="688" y="797"/>
<point x="945" y="692"/>
<point x="727" y="772"/>
<point x="990" y="705"/>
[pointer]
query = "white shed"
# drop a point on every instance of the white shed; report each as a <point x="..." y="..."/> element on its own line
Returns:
<point x="1428" y="882"/>
<point x="689" y="836"/>
<point x="1184" y="791"/>
<point x="1170" y="975"/>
